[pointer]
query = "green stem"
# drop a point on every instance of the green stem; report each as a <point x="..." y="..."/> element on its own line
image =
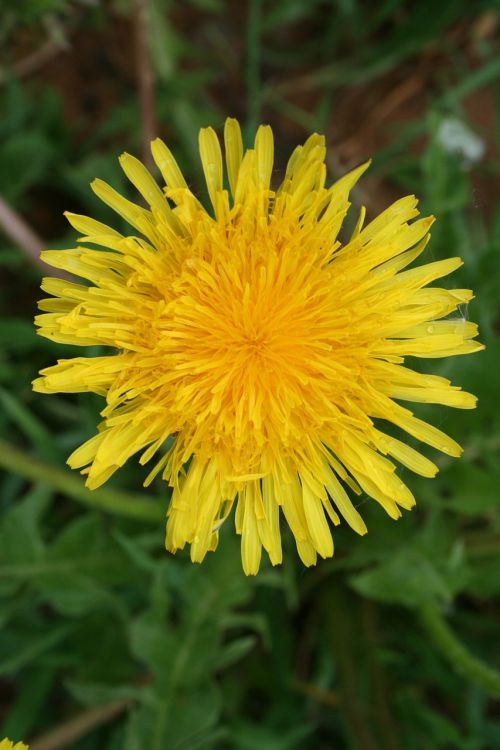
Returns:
<point x="339" y="611"/>
<point x="380" y="689"/>
<point x="112" y="501"/>
<point x="455" y="652"/>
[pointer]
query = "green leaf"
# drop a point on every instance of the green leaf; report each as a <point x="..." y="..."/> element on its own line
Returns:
<point x="405" y="577"/>
<point x="18" y="335"/>
<point x="260" y="737"/>
<point x="188" y="724"/>
<point x="26" y="647"/>
<point x="80" y="565"/>
<point x="20" y="537"/>
<point x="32" y="428"/>
<point x="479" y="78"/>
<point x="234" y="651"/>
<point x="98" y="694"/>
<point x="29" y="704"/>
<point x="474" y="490"/>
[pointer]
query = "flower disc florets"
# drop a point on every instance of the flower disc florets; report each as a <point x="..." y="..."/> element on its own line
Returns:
<point x="267" y="347"/>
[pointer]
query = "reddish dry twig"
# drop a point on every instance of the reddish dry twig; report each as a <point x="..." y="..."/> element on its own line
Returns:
<point x="390" y="104"/>
<point x="34" y="60"/>
<point x="20" y="232"/>
<point x="72" y="730"/>
<point x="145" y="79"/>
<point x="24" y="237"/>
<point x="319" y="695"/>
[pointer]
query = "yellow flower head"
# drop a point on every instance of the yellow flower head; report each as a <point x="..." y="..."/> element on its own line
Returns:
<point x="9" y="745"/>
<point x="267" y="347"/>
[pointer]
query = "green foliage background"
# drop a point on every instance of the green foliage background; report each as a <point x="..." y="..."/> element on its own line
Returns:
<point x="104" y="636"/>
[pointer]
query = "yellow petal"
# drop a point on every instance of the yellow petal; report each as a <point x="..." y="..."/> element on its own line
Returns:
<point x="167" y="165"/>
<point x="211" y="159"/>
<point x="234" y="151"/>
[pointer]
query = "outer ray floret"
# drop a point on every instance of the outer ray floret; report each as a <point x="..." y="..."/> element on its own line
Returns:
<point x="265" y="345"/>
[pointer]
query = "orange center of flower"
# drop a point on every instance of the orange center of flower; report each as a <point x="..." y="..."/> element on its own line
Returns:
<point x="245" y="339"/>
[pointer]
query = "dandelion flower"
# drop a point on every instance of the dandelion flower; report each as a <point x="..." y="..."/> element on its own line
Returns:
<point x="271" y="352"/>
<point x="9" y="745"/>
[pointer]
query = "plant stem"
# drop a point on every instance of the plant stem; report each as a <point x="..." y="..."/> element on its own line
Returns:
<point x="338" y="612"/>
<point x="380" y="689"/>
<point x="20" y="232"/>
<point x="23" y="236"/>
<point x="33" y="60"/>
<point x="72" y="730"/>
<point x="109" y="500"/>
<point x="145" y="79"/>
<point x="455" y="652"/>
<point x="327" y="697"/>
<point x="253" y="64"/>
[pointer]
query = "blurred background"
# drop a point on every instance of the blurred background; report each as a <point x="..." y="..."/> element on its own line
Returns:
<point x="106" y="641"/>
